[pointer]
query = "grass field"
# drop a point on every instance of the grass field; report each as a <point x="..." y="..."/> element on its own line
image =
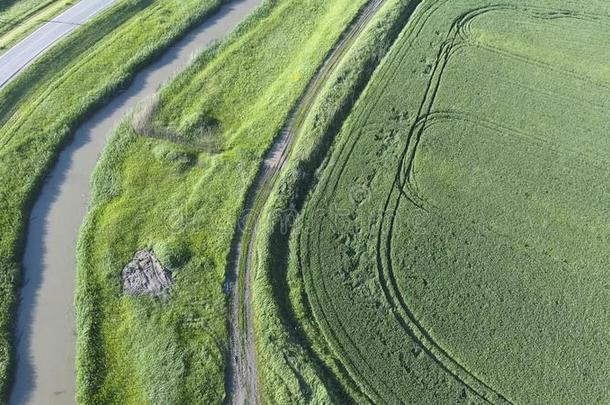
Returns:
<point x="176" y="181"/>
<point x="437" y="236"/>
<point x="20" y="17"/>
<point x="454" y="248"/>
<point x="41" y="107"/>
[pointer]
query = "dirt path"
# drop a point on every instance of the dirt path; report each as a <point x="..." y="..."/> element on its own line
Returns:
<point x="242" y="380"/>
<point x="45" y="330"/>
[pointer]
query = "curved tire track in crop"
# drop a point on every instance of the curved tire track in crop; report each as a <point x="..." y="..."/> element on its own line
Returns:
<point x="242" y="379"/>
<point x="403" y="187"/>
<point x="345" y="151"/>
<point x="385" y="271"/>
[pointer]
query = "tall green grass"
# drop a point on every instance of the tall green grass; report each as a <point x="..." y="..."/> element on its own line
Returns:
<point x="40" y="109"/>
<point x="237" y="97"/>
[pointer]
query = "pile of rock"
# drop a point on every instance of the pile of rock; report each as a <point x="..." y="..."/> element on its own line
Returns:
<point x="145" y="275"/>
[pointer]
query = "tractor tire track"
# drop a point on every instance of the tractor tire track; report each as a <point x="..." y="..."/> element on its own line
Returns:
<point x="392" y="293"/>
<point x="401" y="188"/>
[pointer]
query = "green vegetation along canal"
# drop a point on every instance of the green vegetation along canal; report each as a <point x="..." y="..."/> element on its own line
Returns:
<point x="46" y="336"/>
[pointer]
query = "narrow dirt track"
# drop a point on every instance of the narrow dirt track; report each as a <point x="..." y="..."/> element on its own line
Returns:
<point x="242" y="379"/>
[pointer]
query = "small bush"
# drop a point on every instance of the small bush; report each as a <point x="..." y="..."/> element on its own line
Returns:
<point x="179" y="160"/>
<point x="172" y="253"/>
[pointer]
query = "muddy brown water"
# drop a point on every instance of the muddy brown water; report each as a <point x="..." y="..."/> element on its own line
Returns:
<point x="45" y="333"/>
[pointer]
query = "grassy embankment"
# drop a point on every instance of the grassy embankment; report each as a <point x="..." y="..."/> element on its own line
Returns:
<point x="40" y="109"/>
<point x="469" y="258"/>
<point x="298" y="364"/>
<point x="177" y="185"/>
<point x="18" y="18"/>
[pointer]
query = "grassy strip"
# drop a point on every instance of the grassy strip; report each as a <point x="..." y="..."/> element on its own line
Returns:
<point x="288" y="339"/>
<point x="23" y="17"/>
<point x="15" y="12"/>
<point x="180" y="190"/>
<point x="40" y="109"/>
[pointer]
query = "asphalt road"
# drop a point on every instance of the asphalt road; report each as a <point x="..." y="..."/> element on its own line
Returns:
<point x="24" y="52"/>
